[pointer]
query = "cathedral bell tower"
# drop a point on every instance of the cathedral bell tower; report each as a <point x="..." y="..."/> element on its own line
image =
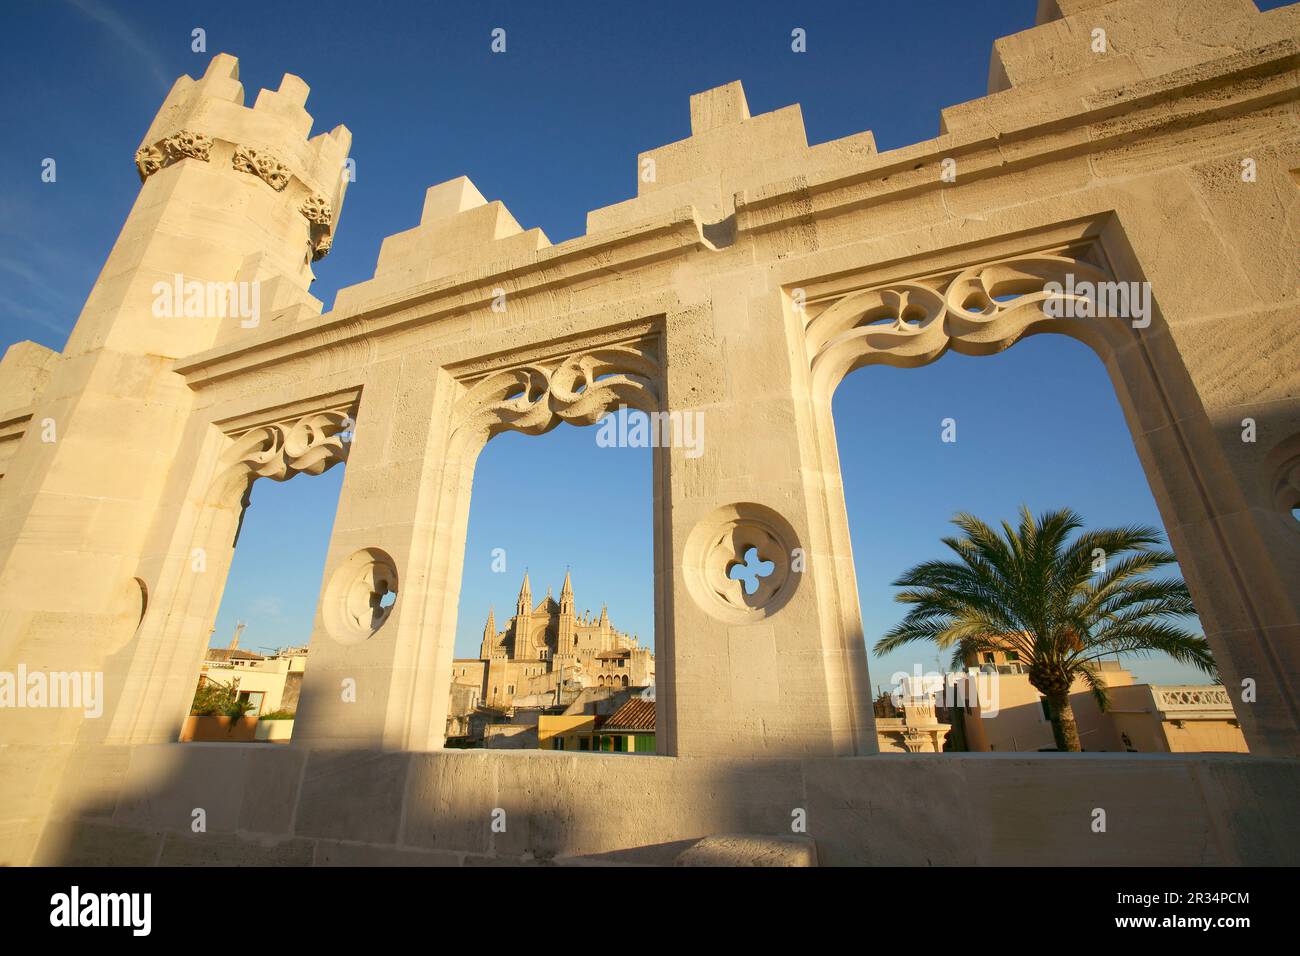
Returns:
<point x="523" y="620"/>
<point x="568" y="619"/>
<point x="489" y="636"/>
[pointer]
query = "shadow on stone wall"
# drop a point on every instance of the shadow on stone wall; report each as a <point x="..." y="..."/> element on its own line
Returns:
<point x="265" y="805"/>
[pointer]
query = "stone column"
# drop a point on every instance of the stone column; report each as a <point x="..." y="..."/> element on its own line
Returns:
<point x="376" y="677"/>
<point x="780" y="671"/>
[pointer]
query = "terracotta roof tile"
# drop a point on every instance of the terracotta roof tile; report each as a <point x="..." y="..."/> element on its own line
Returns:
<point x="636" y="714"/>
<point x="226" y="654"/>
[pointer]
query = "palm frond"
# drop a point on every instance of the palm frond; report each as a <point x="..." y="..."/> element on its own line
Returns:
<point x="1031" y="589"/>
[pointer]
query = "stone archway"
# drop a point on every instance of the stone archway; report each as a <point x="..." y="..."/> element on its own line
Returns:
<point x="988" y="306"/>
<point x="176" y="625"/>
<point x="532" y="395"/>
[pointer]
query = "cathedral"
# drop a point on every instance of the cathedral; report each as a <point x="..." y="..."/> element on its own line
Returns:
<point x="547" y="651"/>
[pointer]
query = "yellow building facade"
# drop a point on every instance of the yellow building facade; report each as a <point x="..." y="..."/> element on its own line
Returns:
<point x="1009" y="714"/>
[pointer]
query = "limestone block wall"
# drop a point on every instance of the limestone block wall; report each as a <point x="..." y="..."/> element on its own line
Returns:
<point x="738" y="287"/>
<point x="266" y="805"/>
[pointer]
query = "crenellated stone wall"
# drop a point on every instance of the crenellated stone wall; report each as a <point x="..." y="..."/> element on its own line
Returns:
<point x="746" y="278"/>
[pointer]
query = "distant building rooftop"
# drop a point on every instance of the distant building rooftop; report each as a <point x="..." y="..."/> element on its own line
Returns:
<point x="636" y="714"/>
<point x="232" y="654"/>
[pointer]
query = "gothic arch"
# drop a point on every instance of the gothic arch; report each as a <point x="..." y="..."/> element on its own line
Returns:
<point x="985" y="307"/>
<point x="534" y="395"/>
<point x="307" y="438"/>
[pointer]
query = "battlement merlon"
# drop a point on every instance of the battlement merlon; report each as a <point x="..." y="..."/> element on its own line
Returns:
<point x="729" y="150"/>
<point x="206" y="119"/>
<point x="459" y="230"/>
<point x="1095" y="44"/>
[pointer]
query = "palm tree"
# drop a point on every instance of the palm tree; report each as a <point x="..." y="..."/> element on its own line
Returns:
<point x="1061" y="605"/>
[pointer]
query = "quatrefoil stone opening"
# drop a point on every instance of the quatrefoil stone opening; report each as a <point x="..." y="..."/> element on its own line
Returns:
<point x="751" y="571"/>
<point x="361" y="596"/>
<point x="738" y="562"/>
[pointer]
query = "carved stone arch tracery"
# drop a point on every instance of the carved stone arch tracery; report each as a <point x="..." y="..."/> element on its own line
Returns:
<point x="979" y="310"/>
<point x="309" y="444"/>
<point x="1282" y="470"/>
<point x="581" y="389"/>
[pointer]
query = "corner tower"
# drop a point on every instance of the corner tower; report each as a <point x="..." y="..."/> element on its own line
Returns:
<point x="228" y="194"/>
<point x="235" y="204"/>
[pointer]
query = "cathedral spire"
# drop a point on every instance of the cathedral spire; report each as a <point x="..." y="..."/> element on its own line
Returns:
<point x="489" y="635"/>
<point x="525" y="596"/>
<point x="604" y="615"/>
<point x="566" y="594"/>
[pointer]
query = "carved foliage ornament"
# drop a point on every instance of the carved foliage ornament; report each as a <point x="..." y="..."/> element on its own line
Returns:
<point x="318" y="211"/>
<point x="980" y="310"/>
<point x="309" y="444"/>
<point x="580" y="389"/>
<point x="180" y="145"/>
<point x="263" y="164"/>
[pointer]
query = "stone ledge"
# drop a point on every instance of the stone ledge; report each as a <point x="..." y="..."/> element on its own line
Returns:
<point x="896" y="809"/>
<point x="741" y="849"/>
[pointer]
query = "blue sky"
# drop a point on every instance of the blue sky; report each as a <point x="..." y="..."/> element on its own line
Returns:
<point x="552" y="128"/>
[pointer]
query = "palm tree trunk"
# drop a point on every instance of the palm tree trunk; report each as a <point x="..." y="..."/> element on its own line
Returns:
<point x="1064" y="728"/>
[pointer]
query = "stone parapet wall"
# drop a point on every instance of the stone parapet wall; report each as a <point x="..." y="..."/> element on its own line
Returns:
<point x="294" y="806"/>
<point x="740" y="288"/>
